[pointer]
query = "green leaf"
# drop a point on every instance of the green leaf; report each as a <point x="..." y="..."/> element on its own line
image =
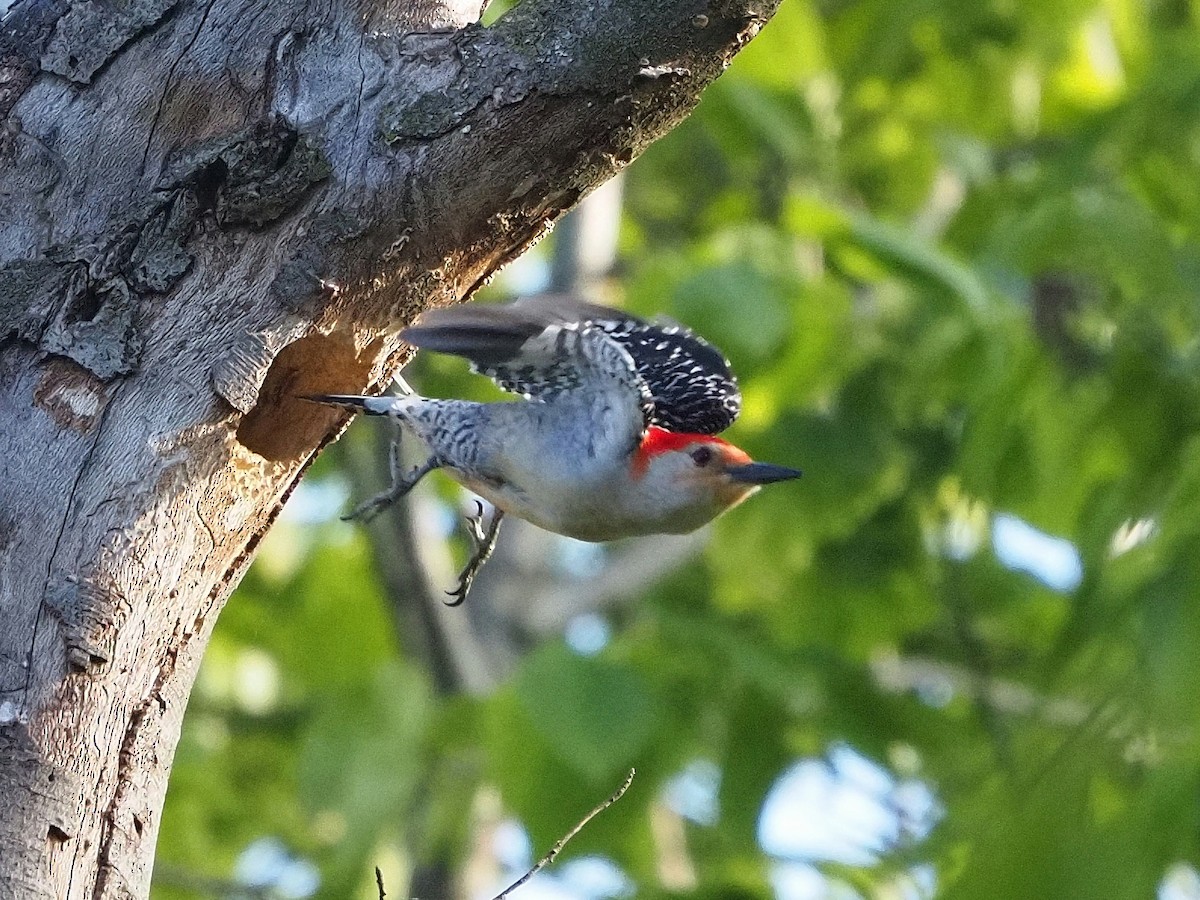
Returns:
<point x="597" y="716"/>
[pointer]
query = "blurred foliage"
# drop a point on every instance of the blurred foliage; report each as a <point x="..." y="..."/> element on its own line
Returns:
<point x="952" y="250"/>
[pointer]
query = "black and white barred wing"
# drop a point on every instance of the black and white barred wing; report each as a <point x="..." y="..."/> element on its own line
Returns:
<point x="546" y="346"/>
<point x="529" y="349"/>
<point x="691" y="385"/>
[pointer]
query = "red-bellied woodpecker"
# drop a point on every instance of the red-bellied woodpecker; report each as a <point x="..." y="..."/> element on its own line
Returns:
<point x="616" y="435"/>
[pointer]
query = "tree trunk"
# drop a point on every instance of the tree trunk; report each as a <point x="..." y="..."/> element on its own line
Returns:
<point x="206" y="209"/>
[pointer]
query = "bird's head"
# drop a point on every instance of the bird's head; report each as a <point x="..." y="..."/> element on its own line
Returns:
<point x="704" y="475"/>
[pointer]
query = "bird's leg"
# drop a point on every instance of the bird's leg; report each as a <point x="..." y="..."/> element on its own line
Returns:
<point x="485" y="543"/>
<point x="402" y="483"/>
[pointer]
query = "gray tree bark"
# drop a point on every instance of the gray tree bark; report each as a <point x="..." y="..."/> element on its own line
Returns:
<point x="208" y="207"/>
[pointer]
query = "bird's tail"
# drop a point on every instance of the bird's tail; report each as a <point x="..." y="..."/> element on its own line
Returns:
<point x="372" y="406"/>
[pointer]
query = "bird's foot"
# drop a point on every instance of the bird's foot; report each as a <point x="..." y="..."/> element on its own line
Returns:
<point x="485" y="543"/>
<point x="401" y="485"/>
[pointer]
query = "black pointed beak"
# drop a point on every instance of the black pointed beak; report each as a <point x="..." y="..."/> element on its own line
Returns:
<point x="761" y="473"/>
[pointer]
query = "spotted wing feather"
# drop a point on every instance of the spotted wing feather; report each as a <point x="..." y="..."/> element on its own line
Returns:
<point x="547" y="346"/>
<point x="531" y="350"/>
<point x="564" y="359"/>
<point x="691" y="384"/>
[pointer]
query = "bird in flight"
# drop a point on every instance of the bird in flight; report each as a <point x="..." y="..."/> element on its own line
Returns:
<point x="616" y="434"/>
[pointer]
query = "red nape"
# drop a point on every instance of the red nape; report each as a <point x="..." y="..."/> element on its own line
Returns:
<point x="659" y="440"/>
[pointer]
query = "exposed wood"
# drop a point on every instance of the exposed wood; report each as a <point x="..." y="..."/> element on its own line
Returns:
<point x="207" y="208"/>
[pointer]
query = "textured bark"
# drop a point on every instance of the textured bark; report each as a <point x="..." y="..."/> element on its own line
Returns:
<point x="207" y="208"/>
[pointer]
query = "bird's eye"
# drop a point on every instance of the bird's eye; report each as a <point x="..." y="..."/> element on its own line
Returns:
<point x="702" y="456"/>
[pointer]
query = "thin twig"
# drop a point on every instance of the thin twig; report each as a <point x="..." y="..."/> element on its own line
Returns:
<point x="379" y="881"/>
<point x="562" y="842"/>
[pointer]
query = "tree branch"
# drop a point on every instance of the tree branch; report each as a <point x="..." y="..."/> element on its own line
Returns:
<point x="552" y="854"/>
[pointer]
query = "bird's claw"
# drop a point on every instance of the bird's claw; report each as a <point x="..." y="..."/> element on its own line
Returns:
<point x="485" y="543"/>
<point x="475" y="524"/>
<point x="369" y="509"/>
<point x="401" y="485"/>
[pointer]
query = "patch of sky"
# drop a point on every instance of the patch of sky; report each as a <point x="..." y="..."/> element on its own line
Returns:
<point x="587" y="634"/>
<point x="1051" y="560"/>
<point x="1181" y="882"/>
<point x="316" y="501"/>
<point x="586" y="878"/>
<point x="845" y="809"/>
<point x="693" y="792"/>
<point x="266" y="865"/>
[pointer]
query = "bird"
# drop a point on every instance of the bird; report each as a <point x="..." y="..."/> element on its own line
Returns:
<point x="614" y="434"/>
